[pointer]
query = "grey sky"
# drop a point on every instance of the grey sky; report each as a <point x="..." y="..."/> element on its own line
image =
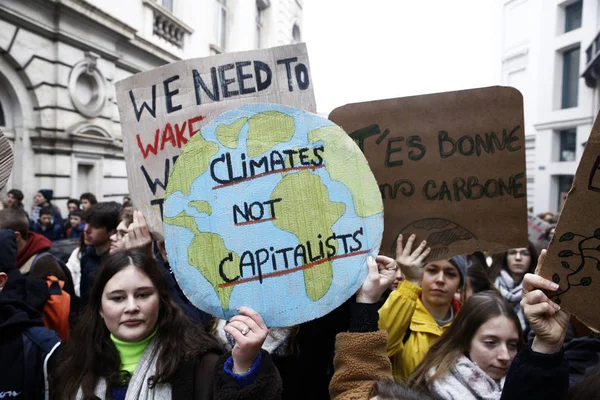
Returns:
<point x="378" y="49"/>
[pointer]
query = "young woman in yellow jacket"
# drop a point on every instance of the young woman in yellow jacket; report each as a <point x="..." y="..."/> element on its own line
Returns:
<point x="415" y="317"/>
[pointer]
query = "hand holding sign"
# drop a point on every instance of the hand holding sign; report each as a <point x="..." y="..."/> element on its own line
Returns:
<point x="249" y="331"/>
<point x="138" y="236"/>
<point x="546" y="319"/>
<point x="382" y="272"/>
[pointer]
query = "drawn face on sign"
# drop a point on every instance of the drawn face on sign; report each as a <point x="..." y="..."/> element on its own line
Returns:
<point x="273" y="208"/>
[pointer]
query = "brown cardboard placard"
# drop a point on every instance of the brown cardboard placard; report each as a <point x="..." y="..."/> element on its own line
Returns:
<point x="573" y="259"/>
<point x="161" y="109"/>
<point x="450" y="167"/>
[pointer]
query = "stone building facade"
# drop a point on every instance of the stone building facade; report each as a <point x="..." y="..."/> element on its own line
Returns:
<point x="60" y="59"/>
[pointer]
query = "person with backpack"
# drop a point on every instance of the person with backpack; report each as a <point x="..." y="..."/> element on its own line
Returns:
<point x="34" y="260"/>
<point x="29" y="244"/>
<point x="27" y="348"/>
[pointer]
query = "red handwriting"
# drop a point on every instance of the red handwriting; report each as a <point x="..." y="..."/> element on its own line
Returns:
<point x="173" y="135"/>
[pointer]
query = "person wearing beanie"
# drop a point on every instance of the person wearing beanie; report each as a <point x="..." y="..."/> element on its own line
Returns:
<point x="43" y="198"/>
<point x="421" y="306"/>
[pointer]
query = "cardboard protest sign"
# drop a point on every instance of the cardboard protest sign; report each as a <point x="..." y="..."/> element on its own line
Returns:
<point x="450" y="167"/>
<point x="162" y="109"/>
<point x="573" y="259"/>
<point x="537" y="231"/>
<point x="273" y="208"/>
<point x="6" y="160"/>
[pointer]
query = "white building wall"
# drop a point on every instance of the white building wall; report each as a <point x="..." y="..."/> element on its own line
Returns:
<point x="533" y="43"/>
<point x="42" y="42"/>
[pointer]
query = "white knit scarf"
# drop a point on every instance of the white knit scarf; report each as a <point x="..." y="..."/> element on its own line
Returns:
<point x="465" y="381"/>
<point x="139" y="385"/>
<point x="511" y="293"/>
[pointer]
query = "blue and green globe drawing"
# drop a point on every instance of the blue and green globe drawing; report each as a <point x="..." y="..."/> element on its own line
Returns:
<point x="272" y="208"/>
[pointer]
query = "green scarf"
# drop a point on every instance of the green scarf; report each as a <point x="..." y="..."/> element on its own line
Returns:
<point x="131" y="352"/>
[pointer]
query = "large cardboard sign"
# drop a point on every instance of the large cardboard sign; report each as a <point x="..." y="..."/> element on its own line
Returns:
<point x="573" y="259"/>
<point x="163" y="108"/>
<point x="450" y="167"/>
<point x="273" y="208"/>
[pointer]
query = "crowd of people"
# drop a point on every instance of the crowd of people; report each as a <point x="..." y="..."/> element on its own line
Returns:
<point x="109" y="321"/>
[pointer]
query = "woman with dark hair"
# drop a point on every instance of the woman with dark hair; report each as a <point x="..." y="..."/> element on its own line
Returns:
<point x="477" y="281"/>
<point x="134" y="342"/>
<point x="507" y="272"/>
<point x="472" y="358"/>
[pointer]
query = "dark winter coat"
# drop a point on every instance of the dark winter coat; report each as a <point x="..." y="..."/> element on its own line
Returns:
<point x="21" y="301"/>
<point x="205" y="379"/>
<point x="52" y="232"/>
<point x="535" y="376"/>
<point x="90" y="261"/>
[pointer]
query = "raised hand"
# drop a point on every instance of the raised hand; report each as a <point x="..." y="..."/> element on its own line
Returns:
<point x="138" y="235"/>
<point x="382" y="272"/>
<point x="548" y="321"/>
<point x="249" y="331"/>
<point x="411" y="262"/>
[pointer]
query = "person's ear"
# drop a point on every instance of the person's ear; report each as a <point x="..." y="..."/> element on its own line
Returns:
<point x="3" y="280"/>
<point x="101" y="313"/>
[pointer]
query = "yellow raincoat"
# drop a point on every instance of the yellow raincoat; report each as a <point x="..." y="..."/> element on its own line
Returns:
<point x="403" y="310"/>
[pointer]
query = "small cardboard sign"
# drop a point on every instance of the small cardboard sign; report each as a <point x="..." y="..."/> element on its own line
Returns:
<point x="162" y="109"/>
<point x="450" y="167"/>
<point x="273" y="208"/>
<point x="573" y="259"/>
<point x="537" y="230"/>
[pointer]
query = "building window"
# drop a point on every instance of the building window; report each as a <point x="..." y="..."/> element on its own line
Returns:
<point x="168" y="4"/>
<point x="564" y="185"/>
<point x="570" y="78"/>
<point x="2" y="120"/>
<point x="568" y="139"/>
<point x="221" y="24"/>
<point x="573" y="16"/>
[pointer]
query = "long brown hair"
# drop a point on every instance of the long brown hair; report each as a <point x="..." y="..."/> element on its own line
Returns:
<point x="90" y="354"/>
<point x="479" y="309"/>
<point x="499" y="262"/>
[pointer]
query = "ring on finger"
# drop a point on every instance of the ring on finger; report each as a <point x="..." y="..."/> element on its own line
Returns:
<point x="245" y="331"/>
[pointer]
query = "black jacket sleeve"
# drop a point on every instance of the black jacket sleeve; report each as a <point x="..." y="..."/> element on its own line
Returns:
<point x="537" y="376"/>
<point x="267" y="385"/>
